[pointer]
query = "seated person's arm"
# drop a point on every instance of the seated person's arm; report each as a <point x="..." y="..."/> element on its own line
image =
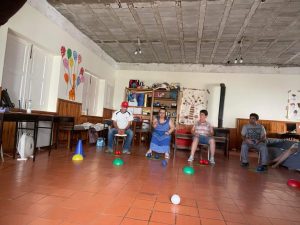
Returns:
<point x="172" y="127"/>
<point x="263" y="136"/>
<point x="128" y="125"/>
<point x="211" y="131"/>
<point x="115" y="124"/>
<point x="154" y="122"/>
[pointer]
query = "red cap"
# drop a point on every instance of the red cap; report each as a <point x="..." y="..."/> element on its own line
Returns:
<point x="124" y="104"/>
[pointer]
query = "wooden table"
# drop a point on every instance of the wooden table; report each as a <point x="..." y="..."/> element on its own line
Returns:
<point x="35" y="118"/>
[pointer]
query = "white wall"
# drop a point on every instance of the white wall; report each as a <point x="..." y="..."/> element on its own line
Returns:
<point x="262" y="90"/>
<point x="31" y="24"/>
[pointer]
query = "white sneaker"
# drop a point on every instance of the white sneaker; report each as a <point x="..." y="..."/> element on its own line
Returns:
<point x="212" y="161"/>
<point x="167" y="155"/>
<point x="191" y="158"/>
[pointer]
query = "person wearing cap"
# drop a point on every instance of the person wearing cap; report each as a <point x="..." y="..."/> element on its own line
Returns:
<point x="122" y="121"/>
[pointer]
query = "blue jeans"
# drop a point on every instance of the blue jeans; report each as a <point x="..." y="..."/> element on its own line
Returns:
<point x="261" y="147"/>
<point x="111" y="134"/>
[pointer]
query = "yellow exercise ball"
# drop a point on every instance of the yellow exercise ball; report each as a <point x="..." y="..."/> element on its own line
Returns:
<point x="77" y="157"/>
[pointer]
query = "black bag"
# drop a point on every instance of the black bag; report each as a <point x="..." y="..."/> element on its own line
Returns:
<point x="93" y="135"/>
<point x="5" y="99"/>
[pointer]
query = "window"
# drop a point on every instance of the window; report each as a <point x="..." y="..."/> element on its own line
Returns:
<point x="26" y="75"/>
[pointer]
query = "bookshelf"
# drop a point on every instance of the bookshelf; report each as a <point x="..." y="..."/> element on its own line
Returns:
<point x="140" y="102"/>
<point x="145" y="103"/>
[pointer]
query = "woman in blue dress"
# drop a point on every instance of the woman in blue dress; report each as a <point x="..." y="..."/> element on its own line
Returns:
<point x="161" y="136"/>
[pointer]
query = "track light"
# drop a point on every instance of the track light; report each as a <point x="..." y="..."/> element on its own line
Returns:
<point x="138" y="50"/>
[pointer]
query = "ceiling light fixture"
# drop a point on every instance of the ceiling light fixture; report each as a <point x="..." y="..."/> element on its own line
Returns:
<point x="138" y="49"/>
<point x="239" y="58"/>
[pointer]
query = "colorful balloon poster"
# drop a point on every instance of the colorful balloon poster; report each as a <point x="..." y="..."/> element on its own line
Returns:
<point x="73" y="73"/>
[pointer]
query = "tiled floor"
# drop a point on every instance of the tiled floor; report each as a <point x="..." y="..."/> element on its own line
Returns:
<point x="55" y="191"/>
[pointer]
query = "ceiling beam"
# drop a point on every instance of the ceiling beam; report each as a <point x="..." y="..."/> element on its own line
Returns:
<point x="202" y="10"/>
<point x="180" y="32"/>
<point x="142" y="29"/>
<point x="292" y="58"/>
<point x="161" y="30"/>
<point x="221" y="28"/>
<point x="242" y="30"/>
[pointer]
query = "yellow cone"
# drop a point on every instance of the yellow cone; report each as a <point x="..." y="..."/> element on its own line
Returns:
<point x="77" y="157"/>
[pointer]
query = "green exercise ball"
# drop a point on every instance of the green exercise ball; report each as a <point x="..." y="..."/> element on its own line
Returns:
<point x="188" y="170"/>
<point x="118" y="162"/>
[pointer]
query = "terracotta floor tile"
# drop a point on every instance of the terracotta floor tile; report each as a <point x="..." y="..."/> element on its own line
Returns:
<point x="139" y="214"/>
<point x="187" y="220"/>
<point x="144" y="204"/>
<point x="186" y="210"/>
<point x="257" y="220"/>
<point x="155" y="223"/>
<point x="212" y="222"/>
<point x="164" y="207"/>
<point x="116" y="210"/>
<point x="107" y="220"/>
<point x="57" y="213"/>
<point x="210" y="213"/>
<point x="162" y="217"/>
<point x="234" y="217"/>
<point x="129" y="221"/>
<point x="31" y="197"/>
<point x="16" y="219"/>
<point x="97" y="193"/>
<point x="42" y="221"/>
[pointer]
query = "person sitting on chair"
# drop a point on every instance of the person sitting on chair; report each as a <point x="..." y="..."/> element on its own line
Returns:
<point x="294" y="149"/>
<point x="161" y="136"/>
<point x="203" y="133"/>
<point x="254" y="136"/>
<point x="122" y="121"/>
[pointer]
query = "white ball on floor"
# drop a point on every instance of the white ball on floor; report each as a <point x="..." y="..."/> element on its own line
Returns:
<point x="175" y="199"/>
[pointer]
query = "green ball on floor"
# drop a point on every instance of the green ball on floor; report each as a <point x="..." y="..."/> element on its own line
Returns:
<point x="118" y="162"/>
<point x="188" y="170"/>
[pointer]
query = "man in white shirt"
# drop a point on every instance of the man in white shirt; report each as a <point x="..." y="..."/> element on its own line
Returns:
<point x="122" y="121"/>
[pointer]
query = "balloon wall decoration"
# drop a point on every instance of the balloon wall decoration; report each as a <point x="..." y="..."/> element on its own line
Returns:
<point x="73" y="74"/>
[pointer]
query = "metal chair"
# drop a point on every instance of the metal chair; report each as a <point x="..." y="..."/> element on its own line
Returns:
<point x="117" y="139"/>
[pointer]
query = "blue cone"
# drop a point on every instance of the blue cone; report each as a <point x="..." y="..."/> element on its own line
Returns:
<point x="79" y="148"/>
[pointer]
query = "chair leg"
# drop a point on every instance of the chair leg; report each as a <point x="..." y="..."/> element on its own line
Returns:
<point x="1" y="151"/>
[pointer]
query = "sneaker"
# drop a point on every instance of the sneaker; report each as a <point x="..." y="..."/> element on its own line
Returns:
<point x="126" y="152"/>
<point x="149" y="154"/>
<point x="262" y="168"/>
<point x="191" y="159"/>
<point x="109" y="150"/>
<point x="243" y="164"/>
<point x="167" y="155"/>
<point x="212" y="161"/>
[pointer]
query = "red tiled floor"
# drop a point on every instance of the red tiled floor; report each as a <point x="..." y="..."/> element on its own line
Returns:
<point x="139" y="214"/>
<point x="187" y="220"/>
<point x="162" y="217"/>
<point x="55" y="191"/>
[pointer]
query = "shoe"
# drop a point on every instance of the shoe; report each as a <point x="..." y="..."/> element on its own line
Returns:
<point x="244" y="164"/>
<point x="109" y="150"/>
<point x="191" y="159"/>
<point x="167" y="155"/>
<point x="149" y="154"/>
<point x="212" y="161"/>
<point x="126" y="152"/>
<point x="262" y="168"/>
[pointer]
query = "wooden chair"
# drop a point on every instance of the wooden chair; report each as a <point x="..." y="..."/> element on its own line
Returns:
<point x="139" y="132"/>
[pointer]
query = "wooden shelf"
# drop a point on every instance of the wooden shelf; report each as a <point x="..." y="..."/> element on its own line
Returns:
<point x="165" y="99"/>
<point x="139" y="90"/>
<point x="144" y="107"/>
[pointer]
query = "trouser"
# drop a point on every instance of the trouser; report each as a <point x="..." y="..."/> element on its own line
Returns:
<point x="261" y="147"/>
<point x="111" y="135"/>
